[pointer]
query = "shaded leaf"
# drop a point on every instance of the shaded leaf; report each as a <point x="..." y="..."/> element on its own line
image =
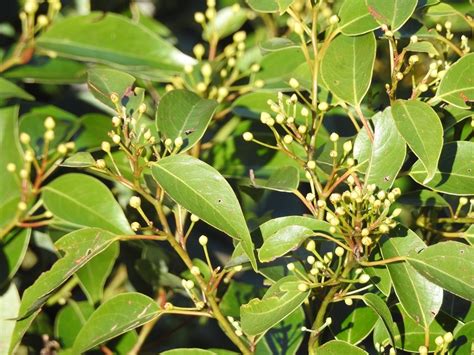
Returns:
<point x="116" y="316"/>
<point x="381" y="308"/>
<point x="454" y="174"/>
<point x="202" y="190"/>
<point x="9" y="90"/>
<point x="227" y="21"/>
<point x="79" y="160"/>
<point x="9" y="307"/>
<point x="270" y="5"/>
<point x="423" y="198"/>
<point x="284" y="179"/>
<point x="391" y="13"/>
<point x="184" y="114"/>
<point x="423" y="47"/>
<point x="355" y="324"/>
<point x="12" y="251"/>
<point x="347" y="66"/>
<point x="69" y="321"/>
<point x="421" y="128"/>
<point x="462" y="344"/>
<point x="103" y="82"/>
<point x="449" y="265"/>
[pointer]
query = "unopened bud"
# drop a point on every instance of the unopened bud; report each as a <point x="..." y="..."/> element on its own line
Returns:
<point x="135" y="202"/>
<point x="203" y="240"/>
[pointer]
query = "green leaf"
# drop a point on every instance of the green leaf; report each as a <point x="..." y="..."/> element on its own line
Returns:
<point x="46" y="70"/>
<point x="9" y="307"/>
<point x="9" y="90"/>
<point x="187" y="351"/>
<point x="94" y="129"/>
<point x="276" y="68"/>
<point x="284" y="179"/>
<point x="385" y="156"/>
<point x="469" y="235"/>
<point x="200" y="189"/>
<point x="420" y="298"/>
<point x="112" y="39"/>
<point x="227" y="21"/>
<point x="271" y="227"/>
<point x="337" y="347"/>
<point x="355" y="324"/>
<point x="449" y="265"/>
<point x="279" y="302"/>
<point x="422" y="47"/>
<point x="79" y="160"/>
<point x="12" y="251"/>
<point x="391" y="13"/>
<point x="381" y="308"/>
<point x="454" y="174"/>
<point x="79" y="248"/>
<point x="457" y="85"/>
<point x="347" y="66"/>
<point x="270" y="5"/>
<point x="10" y="153"/>
<point x="184" y="114"/>
<point x="85" y="201"/>
<point x="356" y="18"/>
<point x="421" y="128"/>
<point x="93" y="275"/>
<point x="116" y="316"/>
<point x="462" y="344"/>
<point x="70" y="320"/>
<point x="283" y="241"/>
<point x="104" y="82"/>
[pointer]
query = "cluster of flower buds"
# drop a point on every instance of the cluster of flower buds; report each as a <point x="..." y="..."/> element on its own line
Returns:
<point x="447" y="25"/>
<point x="236" y="324"/>
<point x="31" y="23"/>
<point x="362" y="215"/>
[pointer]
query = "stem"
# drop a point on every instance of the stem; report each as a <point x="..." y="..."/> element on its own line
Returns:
<point x="395" y="259"/>
<point x="211" y="300"/>
<point x="365" y="123"/>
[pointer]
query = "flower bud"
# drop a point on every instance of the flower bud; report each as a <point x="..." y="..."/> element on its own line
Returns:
<point x="302" y="287"/>
<point x="333" y="19"/>
<point x="413" y="59"/>
<point x="116" y="138"/>
<point x="194" y="218"/>
<point x="239" y="36"/>
<point x="62" y="149"/>
<point x="49" y="135"/>
<point x="25" y="138"/>
<point x="135" y="226"/>
<point x="294" y="83"/>
<point x="439" y="340"/>
<point x="114" y="98"/>
<point x="339" y="251"/>
<point x="311" y="246"/>
<point x="448" y="337"/>
<point x="310" y="196"/>
<point x="347" y="146"/>
<point x="22" y="206"/>
<point x="334" y="137"/>
<point x="195" y="271"/>
<point x="105" y="146"/>
<point x="206" y="70"/>
<point x="259" y="84"/>
<point x="311" y="164"/>
<point x="199" y="50"/>
<point x="203" y="240"/>
<point x="290" y="266"/>
<point x="135" y="202"/>
<point x="199" y="17"/>
<point x="399" y="76"/>
<point x="364" y="278"/>
<point x="288" y="139"/>
<point x="311" y="259"/>
<point x="11" y="167"/>
<point x="323" y="106"/>
<point x="348" y="301"/>
<point x="178" y="142"/>
<point x="248" y="136"/>
<point x="414" y="39"/>
<point x="49" y="123"/>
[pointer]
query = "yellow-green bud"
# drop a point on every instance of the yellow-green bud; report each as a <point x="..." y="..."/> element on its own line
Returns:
<point x="347" y="146"/>
<point x="22" y="206"/>
<point x="135" y="202"/>
<point x="49" y="135"/>
<point x="114" y="98"/>
<point x="311" y="246"/>
<point x="333" y="19"/>
<point x="25" y="138"/>
<point x="294" y="83"/>
<point x="302" y="287"/>
<point x="49" y="123"/>
<point x="290" y="266"/>
<point x="348" y="301"/>
<point x="323" y="106"/>
<point x="11" y="167"/>
<point x="248" y="136"/>
<point x="364" y="278"/>
<point x="195" y="271"/>
<point x="239" y="36"/>
<point x="334" y="137"/>
<point x="199" y="17"/>
<point x="287" y="139"/>
<point x="311" y="164"/>
<point x="439" y="340"/>
<point x="203" y="240"/>
<point x="62" y="149"/>
<point x="448" y="337"/>
<point x="116" y="138"/>
<point x="178" y="142"/>
<point x="199" y="50"/>
<point x="194" y="218"/>
<point x="135" y="226"/>
<point x="310" y="196"/>
<point x="339" y="251"/>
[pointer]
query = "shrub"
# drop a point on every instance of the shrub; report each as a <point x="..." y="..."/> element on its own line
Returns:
<point x="300" y="181"/>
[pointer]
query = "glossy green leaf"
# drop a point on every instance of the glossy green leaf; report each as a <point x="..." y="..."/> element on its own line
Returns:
<point x="391" y="13"/>
<point x="469" y="235"/>
<point x="454" y="174"/>
<point x="457" y="85"/>
<point x="104" y="82"/>
<point x="356" y="18"/>
<point x="380" y="307"/>
<point x="420" y="298"/>
<point x="356" y="322"/>
<point x="270" y="5"/>
<point x="276" y="43"/>
<point x="347" y="66"/>
<point x="227" y="21"/>
<point x="46" y="70"/>
<point x="12" y="251"/>
<point x="237" y="294"/>
<point x="116" y="316"/>
<point x="203" y="191"/>
<point x="286" y="239"/>
<point x="10" y="153"/>
<point x="9" y="307"/>
<point x="79" y="160"/>
<point x="449" y="265"/>
<point x="93" y="275"/>
<point x="279" y="301"/>
<point x="112" y="39"/>
<point x="85" y="201"/>
<point x="187" y="351"/>
<point x="421" y="128"/>
<point x="70" y="320"/>
<point x="9" y="90"/>
<point x="422" y="47"/>
<point x="462" y="344"/>
<point x="408" y="333"/>
<point x="380" y="277"/>
<point x="337" y="347"/>
<point x="385" y="155"/>
<point x="453" y="115"/>
<point x="270" y="228"/>
<point x="79" y="248"/>
<point x="285" y="179"/>
<point x="184" y="114"/>
<point x="93" y="130"/>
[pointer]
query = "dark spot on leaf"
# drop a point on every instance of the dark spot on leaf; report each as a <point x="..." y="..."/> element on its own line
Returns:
<point x="219" y="201"/>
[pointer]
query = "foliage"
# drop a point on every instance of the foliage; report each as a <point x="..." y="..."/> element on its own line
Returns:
<point x="301" y="181"/>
